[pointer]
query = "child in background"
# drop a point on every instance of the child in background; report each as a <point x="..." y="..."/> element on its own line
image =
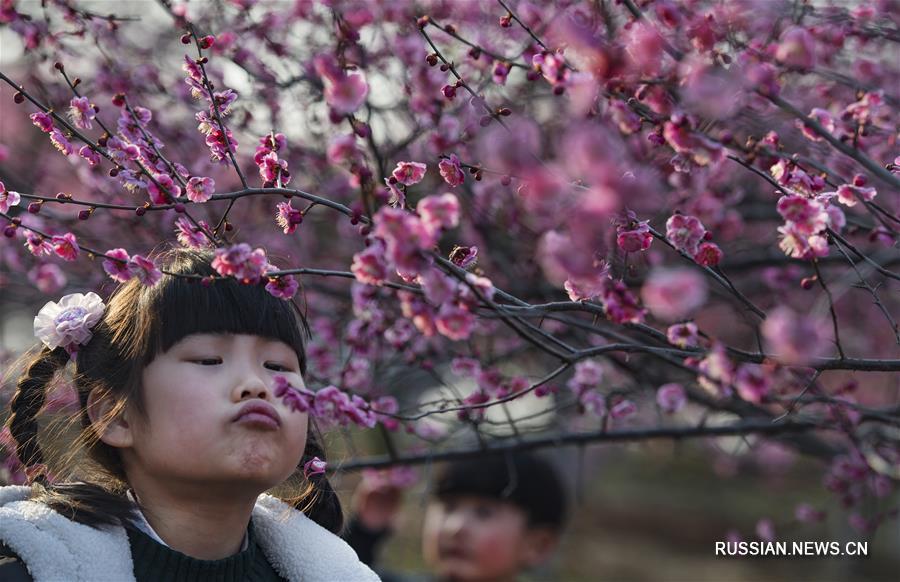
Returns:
<point x="489" y="518"/>
<point x="179" y="414"/>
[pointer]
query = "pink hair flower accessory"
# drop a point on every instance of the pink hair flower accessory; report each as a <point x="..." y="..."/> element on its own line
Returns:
<point x="69" y="322"/>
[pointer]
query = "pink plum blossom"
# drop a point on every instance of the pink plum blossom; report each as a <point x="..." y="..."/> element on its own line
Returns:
<point x="674" y="293"/>
<point x="708" y="254"/>
<point x="314" y="466"/>
<point x="283" y="286"/>
<point x="620" y="305"/>
<point x="42" y="120"/>
<point x="345" y="94"/>
<point x="200" y="189"/>
<point x="634" y="239"/>
<point x="454" y="322"/>
<point x="65" y="246"/>
<point x="409" y="173"/>
<point x="623" y="409"/>
<point x="48" y="278"/>
<point x="451" y="171"/>
<point x="91" y="156"/>
<point x="683" y="335"/>
<point x="8" y="199"/>
<point x="61" y="143"/>
<point x="288" y="217"/>
<point x="369" y="265"/>
<point x="144" y="269"/>
<point x="793" y="338"/>
<point x="753" y="382"/>
<point x="81" y="112"/>
<point x="38" y="245"/>
<point x="797" y="49"/>
<point x="163" y="189"/>
<point x="848" y="194"/>
<point x="671" y="397"/>
<point x="439" y="212"/>
<point x="118" y="270"/>
<point x="190" y="235"/>
<point x="685" y="233"/>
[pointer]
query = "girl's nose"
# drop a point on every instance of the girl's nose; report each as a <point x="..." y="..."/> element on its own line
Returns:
<point x="252" y="384"/>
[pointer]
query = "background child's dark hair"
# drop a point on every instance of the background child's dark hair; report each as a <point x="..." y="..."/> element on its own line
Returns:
<point x="141" y="322"/>
<point x="520" y="478"/>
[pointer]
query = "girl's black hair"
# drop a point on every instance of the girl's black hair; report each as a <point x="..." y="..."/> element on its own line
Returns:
<point x="520" y="478"/>
<point x="141" y="322"/>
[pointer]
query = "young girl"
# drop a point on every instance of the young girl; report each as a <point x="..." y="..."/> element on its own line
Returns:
<point x="184" y="434"/>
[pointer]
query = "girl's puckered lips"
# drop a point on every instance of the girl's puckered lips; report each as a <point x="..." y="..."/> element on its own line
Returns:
<point x="261" y="412"/>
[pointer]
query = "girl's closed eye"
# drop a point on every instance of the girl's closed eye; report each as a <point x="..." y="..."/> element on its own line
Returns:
<point x="206" y="361"/>
<point x="275" y="366"/>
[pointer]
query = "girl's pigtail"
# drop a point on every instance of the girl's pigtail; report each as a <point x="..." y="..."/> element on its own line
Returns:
<point x="324" y="507"/>
<point x="26" y="403"/>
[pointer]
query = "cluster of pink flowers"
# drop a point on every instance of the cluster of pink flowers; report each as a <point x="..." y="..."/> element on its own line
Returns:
<point x="122" y="267"/>
<point x="241" y="262"/>
<point x="686" y="234"/>
<point x="806" y="220"/>
<point x="585" y="383"/>
<point x="683" y="335"/>
<point x="272" y="169"/>
<point x="192" y="236"/>
<point x="680" y="136"/>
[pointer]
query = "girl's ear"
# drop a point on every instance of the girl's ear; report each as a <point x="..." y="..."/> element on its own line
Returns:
<point x="111" y="425"/>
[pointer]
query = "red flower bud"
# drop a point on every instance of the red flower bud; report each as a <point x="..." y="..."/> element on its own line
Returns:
<point x="423" y="21"/>
<point x="35" y="206"/>
<point x="18" y="97"/>
<point x="207" y="41"/>
<point x="505" y="180"/>
<point x="59" y="66"/>
<point x="179" y="207"/>
<point x="140" y="211"/>
<point x="84" y="214"/>
<point x="807" y="282"/>
<point x="432" y="59"/>
<point x="118" y="100"/>
<point x="186" y="38"/>
<point x="9" y="231"/>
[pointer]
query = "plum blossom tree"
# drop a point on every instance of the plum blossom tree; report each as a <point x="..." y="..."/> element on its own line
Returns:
<point x="631" y="216"/>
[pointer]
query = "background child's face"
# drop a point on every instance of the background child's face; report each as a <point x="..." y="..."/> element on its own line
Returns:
<point x="192" y="393"/>
<point x="470" y="538"/>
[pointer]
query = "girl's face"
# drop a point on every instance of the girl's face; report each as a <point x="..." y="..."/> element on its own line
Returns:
<point x="467" y="538"/>
<point x="193" y="393"/>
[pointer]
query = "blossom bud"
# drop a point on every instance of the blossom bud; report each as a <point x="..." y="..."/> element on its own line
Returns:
<point x="9" y="231"/>
<point x="140" y="211"/>
<point x="505" y="180"/>
<point x="84" y="214"/>
<point x="186" y="38"/>
<point x="807" y="283"/>
<point x="432" y="59"/>
<point x="361" y="129"/>
<point x="18" y="97"/>
<point x="504" y="111"/>
<point x="59" y="66"/>
<point x="485" y="121"/>
<point x="423" y="21"/>
<point x="118" y="99"/>
<point x="35" y="206"/>
<point x="207" y="41"/>
<point x="445" y="67"/>
<point x="506" y="21"/>
<point x="475" y="53"/>
<point x="179" y="208"/>
<point x="859" y="180"/>
<point x="228" y="227"/>
<point x="113" y="172"/>
<point x="450" y="29"/>
<point x="559" y="90"/>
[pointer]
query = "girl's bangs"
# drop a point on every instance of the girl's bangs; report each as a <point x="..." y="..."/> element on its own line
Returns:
<point x="180" y="307"/>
